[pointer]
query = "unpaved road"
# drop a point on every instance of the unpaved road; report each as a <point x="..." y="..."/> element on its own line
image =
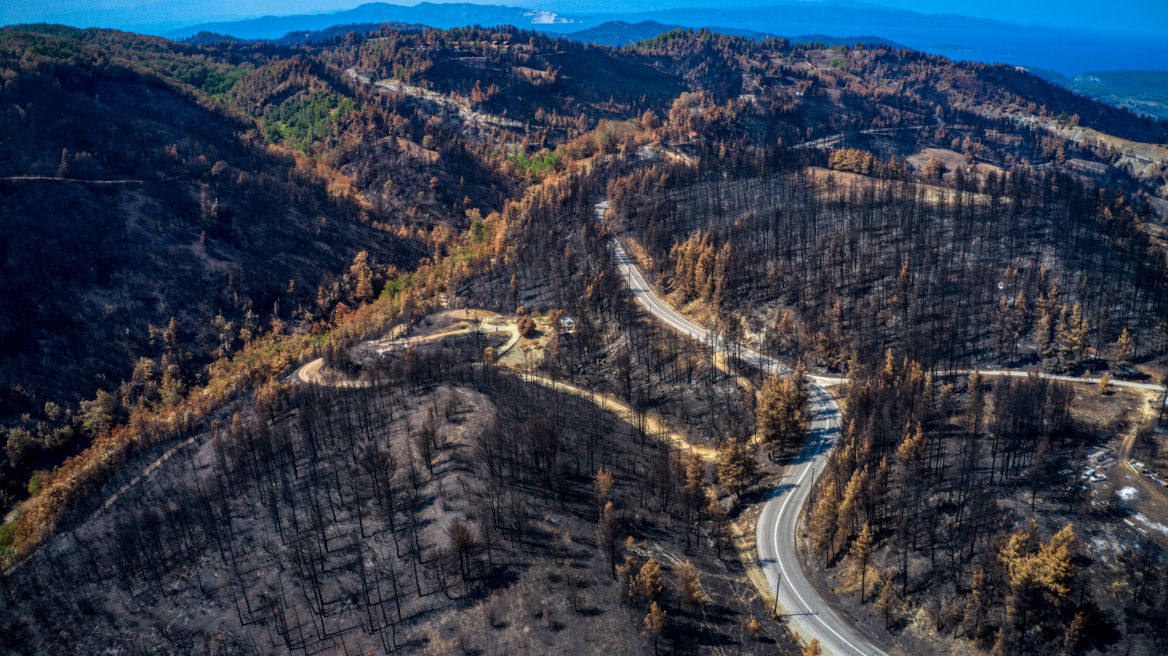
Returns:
<point x="1147" y="387"/>
<point x="312" y="372"/>
<point x="833" y="139"/>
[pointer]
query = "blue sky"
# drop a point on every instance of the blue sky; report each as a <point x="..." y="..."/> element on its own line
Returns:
<point x="1147" y="16"/>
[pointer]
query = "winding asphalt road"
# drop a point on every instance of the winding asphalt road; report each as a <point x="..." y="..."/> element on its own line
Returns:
<point x="807" y="614"/>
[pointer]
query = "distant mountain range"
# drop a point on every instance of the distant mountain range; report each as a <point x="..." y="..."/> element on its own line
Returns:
<point x="426" y="13"/>
<point x="612" y="33"/>
<point x="622" y="33"/>
<point x="829" y="21"/>
<point x="460" y="14"/>
<point x="836" y="14"/>
<point x="299" y="37"/>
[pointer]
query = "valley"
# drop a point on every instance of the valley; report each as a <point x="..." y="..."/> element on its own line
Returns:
<point x="480" y="340"/>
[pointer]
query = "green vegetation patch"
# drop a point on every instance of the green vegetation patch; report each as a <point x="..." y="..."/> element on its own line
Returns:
<point x="7" y="539"/>
<point x="303" y="120"/>
<point x="538" y="165"/>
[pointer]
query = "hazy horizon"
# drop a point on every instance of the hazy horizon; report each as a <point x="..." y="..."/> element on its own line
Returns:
<point x="1148" y="17"/>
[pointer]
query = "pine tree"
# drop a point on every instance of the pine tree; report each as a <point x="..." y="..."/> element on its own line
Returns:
<point x="1163" y="397"/>
<point x="1073" y="638"/>
<point x="704" y="271"/>
<point x="361" y="277"/>
<point x="783" y="411"/>
<point x="695" y="476"/>
<point x="1044" y="332"/>
<point x="689" y="586"/>
<point x="911" y="452"/>
<point x="1003" y="326"/>
<point x="1019" y="320"/>
<point x="1123" y="348"/>
<point x="851" y="501"/>
<point x="716" y="515"/>
<point x="170" y="340"/>
<point x="1072" y="335"/>
<point x="648" y="580"/>
<point x="1039" y="577"/>
<point x="603" y="486"/>
<point x="722" y="271"/>
<point x="685" y="258"/>
<point x="1062" y="333"/>
<point x="975" y="404"/>
<point x="886" y="600"/>
<point x="825" y="522"/>
<point x="606" y="535"/>
<point x="736" y="466"/>
<point x="975" y="603"/>
<point x="862" y="553"/>
<point x="1079" y="330"/>
<point x="655" y="623"/>
<point x="627" y="570"/>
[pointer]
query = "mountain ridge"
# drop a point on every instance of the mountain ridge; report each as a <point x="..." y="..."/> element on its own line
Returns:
<point x="440" y="15"/>
<point x="460" y="14"/>
<point x="620" y="33"/>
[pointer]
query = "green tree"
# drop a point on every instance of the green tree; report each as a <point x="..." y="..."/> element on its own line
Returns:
<point x="38" y="481"/>
<point x="97" y="416"/>
<point x="19" y="445"/>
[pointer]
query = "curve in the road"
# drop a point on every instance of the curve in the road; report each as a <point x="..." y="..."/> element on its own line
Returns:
<point x="807" y="613"/>
<point x="312" y="373"/>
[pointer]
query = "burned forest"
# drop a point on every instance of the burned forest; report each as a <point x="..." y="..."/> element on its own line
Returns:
<point x="481" y="340"/>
